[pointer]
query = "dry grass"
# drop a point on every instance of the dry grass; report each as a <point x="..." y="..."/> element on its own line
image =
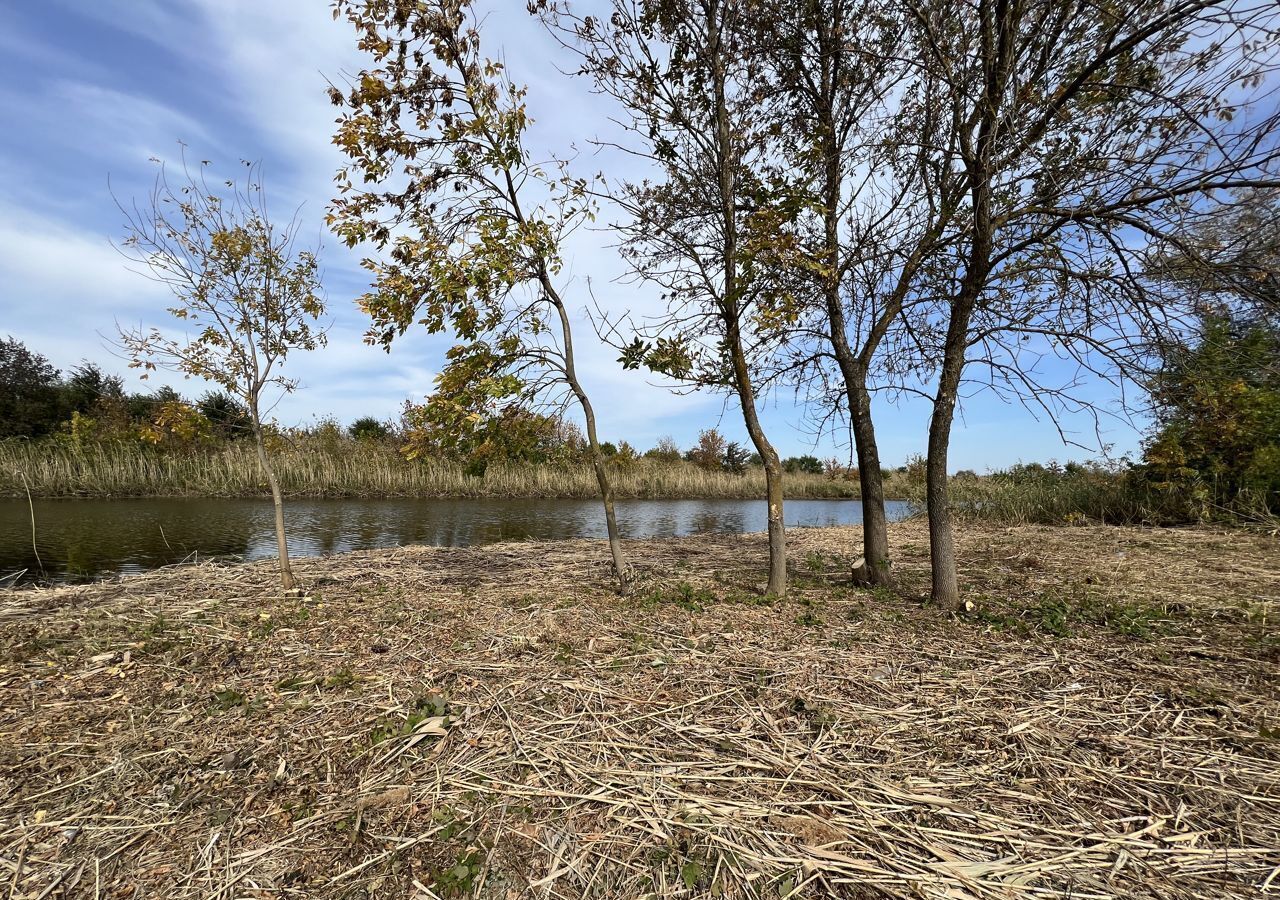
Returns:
<point x="356" y="469"/>
<point x="492" y="722"/>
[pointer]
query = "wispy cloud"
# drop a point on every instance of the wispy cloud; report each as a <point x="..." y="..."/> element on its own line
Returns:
<point x="43" y="260"/>
<point x="125" y="127"/>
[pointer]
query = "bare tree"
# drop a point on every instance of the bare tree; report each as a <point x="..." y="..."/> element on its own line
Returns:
<point x="250" y="296"/>
<point x="471" y="225"/>
<point x="873" y="221"/>
<point x="1229" y="255"/>
<point x="1085" y="135"/>
<point x="691" y="98"/>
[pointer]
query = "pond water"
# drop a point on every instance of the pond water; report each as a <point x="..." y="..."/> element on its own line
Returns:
<point x="86" y="539"/>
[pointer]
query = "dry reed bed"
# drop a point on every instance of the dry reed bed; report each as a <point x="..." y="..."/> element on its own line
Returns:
<point x="353" y="469"/>
<point x="492" y="722"/>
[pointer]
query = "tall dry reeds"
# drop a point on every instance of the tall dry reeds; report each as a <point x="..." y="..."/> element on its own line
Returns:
<point x="1110" y="493"/>
<point x="355" y="469"/>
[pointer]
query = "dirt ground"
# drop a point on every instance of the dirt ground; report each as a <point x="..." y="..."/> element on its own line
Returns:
<point x="494" y="722"/>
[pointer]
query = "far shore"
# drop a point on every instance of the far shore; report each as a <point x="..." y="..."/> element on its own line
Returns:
<point x="52" y="469"/>
<point x="478" y="494"/>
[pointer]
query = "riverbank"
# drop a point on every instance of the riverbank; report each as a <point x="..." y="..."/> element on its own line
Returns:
<point x="493" y="722"/>
<point x="362" y="469"/>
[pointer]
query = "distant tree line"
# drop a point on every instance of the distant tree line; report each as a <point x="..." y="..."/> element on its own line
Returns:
<point x="89" y="406"/>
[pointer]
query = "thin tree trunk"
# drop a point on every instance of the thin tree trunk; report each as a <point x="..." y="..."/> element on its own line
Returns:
<point x="606" y="489"/>
<point x="597" y="457"/>
<point x="282" y="547"/>
<point x="777" y="586"/>
<point x="606" y="496"/>
<point x="731" y="312"/>
<point x="571" y="378"/>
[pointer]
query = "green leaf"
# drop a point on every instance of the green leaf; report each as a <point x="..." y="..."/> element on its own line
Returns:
<point x="690" y="872"/>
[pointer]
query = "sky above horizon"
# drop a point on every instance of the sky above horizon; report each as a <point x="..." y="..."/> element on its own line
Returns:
<point x="90" y="90"/>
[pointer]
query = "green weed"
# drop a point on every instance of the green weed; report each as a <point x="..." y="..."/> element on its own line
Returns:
<point x="430" y="706"/>
<point x="341" y="679"/>
<point x="228" y="699"/>
<point x="683" y="595"/>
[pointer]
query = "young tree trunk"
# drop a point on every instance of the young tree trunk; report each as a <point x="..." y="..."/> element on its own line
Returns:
<point x="731" y="313"/>
<point x="282" y="547"/>
<point x="606" y="495"/>
<point x="874" y="569"/>
<point x="588" y="413"/>
<point x="777" y="586"/>
<point x="597" y="459"/>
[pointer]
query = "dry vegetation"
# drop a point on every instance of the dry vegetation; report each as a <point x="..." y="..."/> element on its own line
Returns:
<point x="372" y="470"/>
<point x="491" y="722"/>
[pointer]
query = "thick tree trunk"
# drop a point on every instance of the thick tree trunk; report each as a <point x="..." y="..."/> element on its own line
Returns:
<point x="996" y="54"/>
<point x="875" y="569"/>
<point x="942" y="552"/>
<point x="282" y="547"/>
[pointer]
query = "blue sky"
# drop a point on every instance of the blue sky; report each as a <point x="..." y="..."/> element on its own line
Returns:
<point x="90" y="89"/>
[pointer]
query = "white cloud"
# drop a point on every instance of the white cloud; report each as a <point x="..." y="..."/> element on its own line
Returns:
<point x="44" y="261"/>
<point x="145" y="18"/>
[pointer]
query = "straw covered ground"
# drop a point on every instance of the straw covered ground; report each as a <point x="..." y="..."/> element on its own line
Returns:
<point x="492" y="722"/>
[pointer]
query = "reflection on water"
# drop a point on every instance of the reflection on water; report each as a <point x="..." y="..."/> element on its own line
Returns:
<point x="81" y="539"/>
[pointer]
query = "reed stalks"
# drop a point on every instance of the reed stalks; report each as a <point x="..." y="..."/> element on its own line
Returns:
<point x="1098" y="493"/>
<point x="357" y="469"/>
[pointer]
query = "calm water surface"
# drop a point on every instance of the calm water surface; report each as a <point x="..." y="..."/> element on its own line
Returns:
<point x="85" y="539"/>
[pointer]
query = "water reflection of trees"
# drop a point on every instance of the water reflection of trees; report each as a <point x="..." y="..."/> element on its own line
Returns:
<point x="91" y="538"/>
<point x="84" y="539"/>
